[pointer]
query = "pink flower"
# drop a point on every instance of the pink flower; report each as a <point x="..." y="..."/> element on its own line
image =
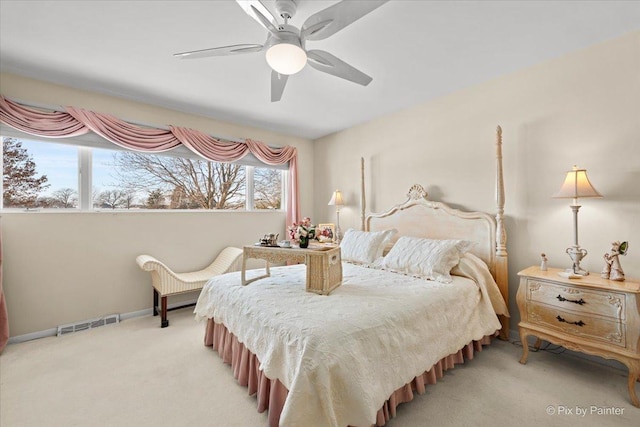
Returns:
<point x="303" y="229"/>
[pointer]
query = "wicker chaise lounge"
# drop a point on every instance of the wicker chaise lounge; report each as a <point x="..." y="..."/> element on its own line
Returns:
<point x="166" y="282"/>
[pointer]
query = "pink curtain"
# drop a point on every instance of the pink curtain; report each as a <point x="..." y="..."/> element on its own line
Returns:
<point x="76" y="121"/>
<point x="53" y="124"/>
<point x="125" y="134"/>
<point x="277" y="156"/>
<point x="208" y="147"/>
<point x="4" y="316"/>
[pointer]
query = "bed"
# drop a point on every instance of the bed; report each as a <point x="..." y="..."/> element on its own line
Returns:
<point x="352" y="357"/>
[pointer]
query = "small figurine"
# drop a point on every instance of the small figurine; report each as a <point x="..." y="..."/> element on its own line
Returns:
<point x="612" y="269"/>
<point x="543" y="262"/>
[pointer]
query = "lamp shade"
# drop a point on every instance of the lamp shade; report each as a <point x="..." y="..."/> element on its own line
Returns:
<point x="336" y="199"/>
<point x="286" y="57"/>
<point x="575" y="185"/>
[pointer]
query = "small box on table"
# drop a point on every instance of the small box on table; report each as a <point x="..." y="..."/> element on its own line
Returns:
<point x="324" y="270"/>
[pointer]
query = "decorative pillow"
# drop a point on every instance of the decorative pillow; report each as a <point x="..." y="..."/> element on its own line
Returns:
<point x="431" y="259"/>
<point x="364" y="247"/>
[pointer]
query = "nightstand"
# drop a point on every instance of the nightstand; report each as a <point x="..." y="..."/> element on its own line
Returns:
<point x="591" y="315"/>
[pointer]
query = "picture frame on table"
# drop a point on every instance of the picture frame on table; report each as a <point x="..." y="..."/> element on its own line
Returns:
<point x="326" y="233"/>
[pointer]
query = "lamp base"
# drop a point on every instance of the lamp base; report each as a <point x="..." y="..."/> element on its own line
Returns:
<point x="579" y="271"/>
<point x="338" y="236"/>
<point x="577" y="254"/>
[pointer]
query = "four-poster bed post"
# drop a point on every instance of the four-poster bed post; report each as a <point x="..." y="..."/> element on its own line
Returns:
<point x="499" y="259"/>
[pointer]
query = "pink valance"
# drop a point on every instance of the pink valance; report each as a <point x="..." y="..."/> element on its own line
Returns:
<point x="4" y="315"/>
<point x="76" y="121"/>
<point x="126" y="135"/>
<point x="209" y="147"/>
<point x="54" y="124"/>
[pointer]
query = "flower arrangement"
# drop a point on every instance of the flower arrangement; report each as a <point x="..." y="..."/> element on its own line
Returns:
<point x="302" y="232"/>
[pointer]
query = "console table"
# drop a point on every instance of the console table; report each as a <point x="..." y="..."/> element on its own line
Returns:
<point x="324" y="264"/>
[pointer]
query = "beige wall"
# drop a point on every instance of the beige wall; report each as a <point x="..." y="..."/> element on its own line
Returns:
<point x="62" y="268"/>
<point x="581" y="109"/>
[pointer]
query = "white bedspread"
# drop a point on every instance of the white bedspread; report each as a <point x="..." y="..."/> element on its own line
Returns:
<point x="341" y="356"/>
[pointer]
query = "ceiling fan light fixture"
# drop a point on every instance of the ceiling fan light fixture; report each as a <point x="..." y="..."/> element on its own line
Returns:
<point x="286" y="58"/>
<point x="285" y="49"/>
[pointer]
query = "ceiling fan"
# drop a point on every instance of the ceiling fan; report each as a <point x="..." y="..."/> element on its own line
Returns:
<point x="285" y="45"/>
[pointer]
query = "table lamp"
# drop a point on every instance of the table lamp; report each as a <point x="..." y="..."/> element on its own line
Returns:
<point x="337" y="201"/>
<point x="576" y="185"/>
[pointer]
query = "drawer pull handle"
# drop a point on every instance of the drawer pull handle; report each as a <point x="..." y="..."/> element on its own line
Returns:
<point x="579" y="302"/>
<point x="579" y="322"/>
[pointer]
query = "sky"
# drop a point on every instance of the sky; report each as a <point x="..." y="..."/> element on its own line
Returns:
<point x="59" y="162"/>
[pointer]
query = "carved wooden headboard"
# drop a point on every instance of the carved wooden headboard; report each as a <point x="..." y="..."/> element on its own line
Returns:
<point x="421" y="217"/>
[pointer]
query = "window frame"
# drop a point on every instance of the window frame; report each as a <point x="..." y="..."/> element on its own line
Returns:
<point x="85" y="145"/>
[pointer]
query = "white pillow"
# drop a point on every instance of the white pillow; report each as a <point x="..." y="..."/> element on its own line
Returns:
<point x="431" y="259"/>
<point x="364" y="247"/>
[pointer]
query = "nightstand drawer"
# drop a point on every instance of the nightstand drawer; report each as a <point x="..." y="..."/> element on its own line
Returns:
<point x="578" y="324"/>
<point x="579" y="300"/>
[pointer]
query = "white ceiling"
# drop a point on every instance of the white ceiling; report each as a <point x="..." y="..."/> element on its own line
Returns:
<point x="414" y="50"/>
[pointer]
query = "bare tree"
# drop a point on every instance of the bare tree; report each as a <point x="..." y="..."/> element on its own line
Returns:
<point x="46" y="202"/>
<point x="65" y="198"/>
<point x="196" y="183"/>
<point x="267" y="185"/>
<point x="112" y="198"/>
<point x="129" y="198"/>
<point x="180" y="200"/>
<point x="95" y="196"/>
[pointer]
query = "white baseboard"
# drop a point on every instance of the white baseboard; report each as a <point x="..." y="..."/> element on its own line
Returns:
<point x="139" y="313"/>
<point x="54" y="331"/>
<point x="33" y="336"/>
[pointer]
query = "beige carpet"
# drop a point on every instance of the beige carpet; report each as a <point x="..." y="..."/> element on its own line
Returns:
<point x="137" y="374"/>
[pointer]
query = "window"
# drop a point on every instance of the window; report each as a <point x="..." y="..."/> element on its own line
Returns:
<point x="40" y="174"/>
<point x="127" y="179"/>
<point x="267" y="188"/>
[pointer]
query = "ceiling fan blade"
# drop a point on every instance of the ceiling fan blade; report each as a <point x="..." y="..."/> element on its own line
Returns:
<point x="220" y="51"/>
<point x="327" y="63"/>
<point x="256" y="10"/>
<point x="329" y="21"/>
<point x="278" y="82"/>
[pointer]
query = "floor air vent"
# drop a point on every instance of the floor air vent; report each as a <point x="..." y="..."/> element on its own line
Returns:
<point x="88" y="324"/>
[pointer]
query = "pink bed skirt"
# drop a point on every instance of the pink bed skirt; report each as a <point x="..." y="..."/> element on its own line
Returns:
<point x="271" y="394"/>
